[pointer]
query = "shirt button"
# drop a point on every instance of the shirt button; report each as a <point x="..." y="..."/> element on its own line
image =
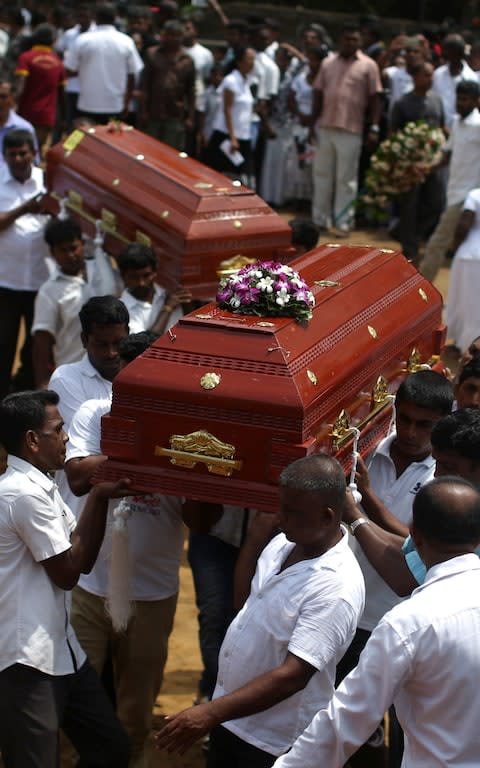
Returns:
<point x="226" y="654"/>
<point x="240" y="626"/>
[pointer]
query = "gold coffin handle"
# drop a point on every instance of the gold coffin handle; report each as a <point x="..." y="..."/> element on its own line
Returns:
<point x="201" y="447"/>
<point x="342" y="432"/>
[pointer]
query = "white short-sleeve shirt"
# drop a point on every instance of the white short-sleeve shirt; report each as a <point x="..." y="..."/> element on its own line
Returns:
<point x="445" y="84"/>
<point x="311" y="610"/>
<point x="424" y="656"/>
<point x="155" y="528"/>
<point x="35" y="525"/>
<point x="57" y="305"/>
<point x="103" y="58"/>
<point x="397" y="494"/>
<point x="75" y="383"/>
<point x="464" y="144"/>
<point x="22" y="247"/>
<point x="143" y="313"/>
<point x="242" y="108"/>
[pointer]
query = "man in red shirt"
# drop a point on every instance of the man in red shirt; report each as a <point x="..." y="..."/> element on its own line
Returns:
<point x="40" y="80"/>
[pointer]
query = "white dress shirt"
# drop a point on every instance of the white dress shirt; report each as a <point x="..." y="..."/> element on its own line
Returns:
<point x="35" y="525"/>
<point x="57" y="305"/>
<point x="424" y="656"/>
<point x="311" y="610"/>
<point x="242" y="107"/>
<point x="445" y="85"/>
<point x="464" y="169"/>
<point x="75" y="383"/>
<point x="22" y="266"/>
<point x="397" y="494"/>
<point x="103" y="59"/>
<point x="144" y="313"/>
<point x="155" y="527"/>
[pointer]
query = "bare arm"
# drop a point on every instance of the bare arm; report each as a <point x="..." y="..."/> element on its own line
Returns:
<point x="80" y="471"/>
<point x="259" y="694"/>
<point x="7" y="218"/>
<point x="65" y="569"/>
<point x="465" y="223"/>
<point x="182" y="296"/>
<point x="374" y="506"/>
<point x="228" y="97"/>
<point x="384" y="551"/>
<point x="42" y="357"/>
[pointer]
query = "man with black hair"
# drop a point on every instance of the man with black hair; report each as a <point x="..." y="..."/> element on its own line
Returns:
<point x="467" y="385"/>
<point x="462" y="154"/>
<point x="299" y="598"/>
<point x="448" y="76"/>
<point x="23" y="266"/>
<point x="424" y="656"/>
<point x="9" y="119"/>
<point x="401" y="464"/>
<point x="149" y="305"/>
<point x="304" y="235"/>
<point x="168" y="86"/>
<point x="41" y="79"/>
<point x="456" y="450"/>
<point x="104" y="322"/>
<point x="346" y="94"/>
<point x="106" y="62"/>
<point x="46" y="683"/>
<point x="155" y="544"/>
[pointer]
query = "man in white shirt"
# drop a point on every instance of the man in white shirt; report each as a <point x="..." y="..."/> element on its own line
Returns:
<point x="106" y="62"/>
<point x="155" y="545"/>
<point x="424" y="655"/>
<point x="104" y="321"/>
<point x="279" y="655"/>
<point x="63" y="44"/>
<point x="462" y="153"/>
<point x="149" y="305"/>
<point x="9" y="119"/>
<point x="449" y="75"/>
<point x="23" y="267"/>
<point x="46" y="683"/>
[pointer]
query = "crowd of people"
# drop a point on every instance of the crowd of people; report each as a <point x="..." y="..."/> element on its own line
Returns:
<point x="305" y="632"/>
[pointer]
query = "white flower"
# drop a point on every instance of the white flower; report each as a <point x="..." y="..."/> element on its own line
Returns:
<point x="257" y="273"/>
<point x="265" y="284"/>
<point x="235" y="301"/>
<point x="282" y="300"/>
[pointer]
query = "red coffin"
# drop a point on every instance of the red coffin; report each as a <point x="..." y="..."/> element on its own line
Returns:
<point x="216" y="409"/>
<point x="142" y="190"/>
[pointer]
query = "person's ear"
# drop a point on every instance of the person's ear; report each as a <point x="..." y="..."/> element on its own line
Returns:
<point x="32" y="442"/>
<point x="84" y="338"/>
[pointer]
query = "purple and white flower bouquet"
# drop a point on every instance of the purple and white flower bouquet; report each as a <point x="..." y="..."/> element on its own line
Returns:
<point x="267" y="289"/>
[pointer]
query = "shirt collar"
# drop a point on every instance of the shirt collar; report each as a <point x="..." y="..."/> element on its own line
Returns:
<point x="89" y="370"/>
<point x="459" y="564"/>
<point x="385" y="445"/>
<point x="35" y="475"/>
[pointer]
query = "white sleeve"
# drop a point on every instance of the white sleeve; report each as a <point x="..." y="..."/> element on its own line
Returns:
<point x="357" y="707"/>
<point x="85" y="429"/>
<point x="45" y="315"/>
<point x="472" y="202"/>
<point x="134" y="61"/>
<point x="42" y="527"/>
<point x="72" y="57"/>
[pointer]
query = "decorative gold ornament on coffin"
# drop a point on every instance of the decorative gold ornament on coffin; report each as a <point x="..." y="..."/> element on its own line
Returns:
<point x="342" y="431"/>
<point x="232" y="265"/>
<point x="414" y="363"/>
<point x="204" y="448"/>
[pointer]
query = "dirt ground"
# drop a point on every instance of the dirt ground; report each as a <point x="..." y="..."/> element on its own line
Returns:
<point x="184" y="665"/>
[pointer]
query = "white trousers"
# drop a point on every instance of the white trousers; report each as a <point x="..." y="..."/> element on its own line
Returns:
<point x="335" y="177"/>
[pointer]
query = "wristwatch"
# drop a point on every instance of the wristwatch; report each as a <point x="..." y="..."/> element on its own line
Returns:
<point x="359" y="521"/>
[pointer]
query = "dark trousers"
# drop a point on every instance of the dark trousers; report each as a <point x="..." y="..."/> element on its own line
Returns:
<point x="33" y="706"/>
<point x="229" y="751"/>
<point x="420" y="210"/>
<point x="15" y="306"/>
<point x="212" y="562"/>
